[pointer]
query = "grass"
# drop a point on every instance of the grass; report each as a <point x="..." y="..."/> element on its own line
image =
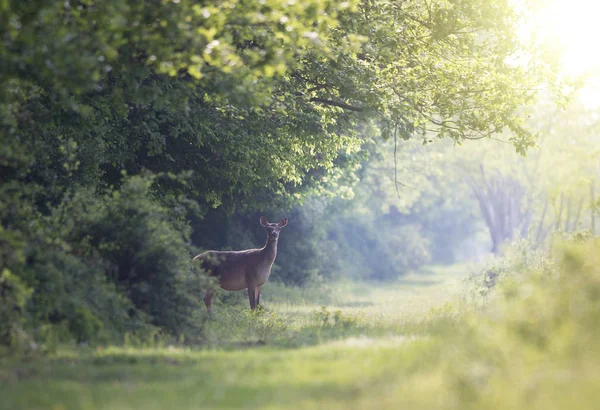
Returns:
<point x="391" y="346"/>
<point x="157" y="379"/>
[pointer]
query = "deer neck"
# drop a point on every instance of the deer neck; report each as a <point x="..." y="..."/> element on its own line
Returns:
<point x="270" y="249"/>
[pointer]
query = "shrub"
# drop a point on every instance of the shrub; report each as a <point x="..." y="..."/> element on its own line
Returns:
<point x="518" y="259"/>
<point x="300" y="251"/>
<point x="72" y="298"/>
<point x="99" y="266"/>
<point x="146" y="256"/>
<point x="536" y="344"/>
<point x="14" y="295"/>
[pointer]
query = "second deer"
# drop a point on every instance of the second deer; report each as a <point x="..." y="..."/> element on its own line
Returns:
<point x="239" y="270"/>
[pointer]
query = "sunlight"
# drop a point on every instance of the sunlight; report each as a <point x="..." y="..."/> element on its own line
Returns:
<point x="590" y="94"/>
<point x="569" y="28"/>
<point x="572" y="25"/>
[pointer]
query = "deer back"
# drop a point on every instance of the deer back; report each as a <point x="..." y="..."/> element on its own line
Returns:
<point x="236" y="269"/>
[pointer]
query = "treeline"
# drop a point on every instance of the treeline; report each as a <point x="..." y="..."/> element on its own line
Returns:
<point x="135" y="133"/>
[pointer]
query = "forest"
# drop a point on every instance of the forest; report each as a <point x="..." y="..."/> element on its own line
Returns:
<point x="437" y="163"/>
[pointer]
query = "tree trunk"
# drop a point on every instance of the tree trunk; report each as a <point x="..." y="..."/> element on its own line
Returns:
<point x="593" y="205"/>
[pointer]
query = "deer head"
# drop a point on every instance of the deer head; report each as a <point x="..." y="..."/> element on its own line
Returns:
<point x="273" y="228"/>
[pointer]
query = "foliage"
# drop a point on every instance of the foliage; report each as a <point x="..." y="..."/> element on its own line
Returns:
<point x="375" y="249"/>
<point x="121" y="122"/>
<point x="549" y="192"/>
<point x="519" y="259"/>
<point x="303" y="249"/>
<point x="148" y="256"/>
<point x="418" y="57"/>
<point x="107" y="265"/>
<point x="73" y="45"/>
<point x="419" y="188"/>
<point x="459" y="195"/>
<point x="13" y="299"/>
<point x="540" y="330"/>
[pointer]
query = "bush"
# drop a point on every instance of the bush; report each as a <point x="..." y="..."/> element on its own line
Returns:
<point x="101" y="266"/>
<point x="72" y="299"/>
<point x="536" y="344"/>
<point x="520" y="257"/>
<point x="146" y="256"/>
<point x="14" y="295"/>
<point x="300" y="251"/>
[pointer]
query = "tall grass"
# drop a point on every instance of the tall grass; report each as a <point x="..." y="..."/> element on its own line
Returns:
<point x="414" y="344"/>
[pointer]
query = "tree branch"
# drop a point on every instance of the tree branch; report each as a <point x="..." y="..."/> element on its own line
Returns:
<point x="318" y="87"/>
<point x="337" y="104"/>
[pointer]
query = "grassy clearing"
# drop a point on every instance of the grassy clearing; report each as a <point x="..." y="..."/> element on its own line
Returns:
<point x="348" y="347"/>
<point x="310" y="348"/>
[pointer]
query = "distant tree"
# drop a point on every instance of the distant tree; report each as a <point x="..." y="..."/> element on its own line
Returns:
<point x="550" y="191"/>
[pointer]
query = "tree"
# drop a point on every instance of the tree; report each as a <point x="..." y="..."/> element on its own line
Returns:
<point x="550" y="191"/>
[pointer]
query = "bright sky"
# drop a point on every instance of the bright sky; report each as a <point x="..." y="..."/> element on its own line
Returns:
<point x="574" y="26"/>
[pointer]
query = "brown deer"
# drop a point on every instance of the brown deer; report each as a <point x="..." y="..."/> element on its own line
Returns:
<point x="239" y="270"/>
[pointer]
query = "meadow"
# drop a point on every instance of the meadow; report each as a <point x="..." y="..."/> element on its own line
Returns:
<point x="420" y="343"/>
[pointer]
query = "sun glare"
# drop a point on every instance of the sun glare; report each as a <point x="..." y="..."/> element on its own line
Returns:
<point x="573" y="26"/>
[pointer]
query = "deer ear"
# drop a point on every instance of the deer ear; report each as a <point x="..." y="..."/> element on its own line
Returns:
<point x="283" y="222"/>
<point x="263" y="221"/>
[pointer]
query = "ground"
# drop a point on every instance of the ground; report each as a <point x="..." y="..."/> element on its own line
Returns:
<point x="349" y="346"/>
<point x="336" y="347"/>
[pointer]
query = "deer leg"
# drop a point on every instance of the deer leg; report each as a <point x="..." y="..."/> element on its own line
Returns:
<point x="208" y="298"/>
<point x="252" y="296"/>
<point x="258" y="295"/>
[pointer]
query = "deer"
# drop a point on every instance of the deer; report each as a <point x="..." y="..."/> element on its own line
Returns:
<point x="238" y="270"/>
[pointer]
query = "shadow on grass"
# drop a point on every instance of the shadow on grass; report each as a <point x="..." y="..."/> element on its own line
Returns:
<point x="164" y="379"/>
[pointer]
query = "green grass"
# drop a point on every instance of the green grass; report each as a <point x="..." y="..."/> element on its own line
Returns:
<point x="390" y="346"/>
